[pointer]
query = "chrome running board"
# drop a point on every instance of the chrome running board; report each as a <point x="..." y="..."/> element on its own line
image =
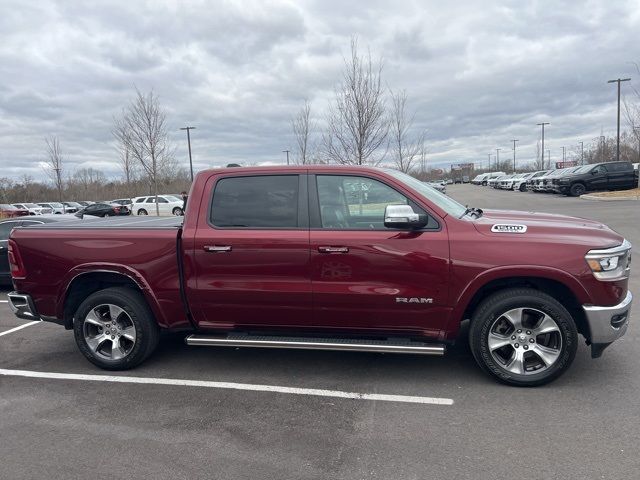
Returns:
<point x="312" y="343"/>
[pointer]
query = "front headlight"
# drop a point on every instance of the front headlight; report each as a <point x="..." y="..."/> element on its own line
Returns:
<point x="610" y="264"/>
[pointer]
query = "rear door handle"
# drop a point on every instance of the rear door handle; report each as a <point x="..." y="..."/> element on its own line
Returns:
<point x="217" y="248"/>
<point x="333" y="249"/>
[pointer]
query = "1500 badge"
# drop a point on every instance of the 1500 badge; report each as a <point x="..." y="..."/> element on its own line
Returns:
<point x="508" y="228"/>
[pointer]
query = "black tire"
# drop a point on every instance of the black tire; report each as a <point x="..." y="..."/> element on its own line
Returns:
<point x="177" y="211"/>
<point x="137" y="310"/>
<point x="523" y="188"/>
<point x="142" y="211"/>
<point x="577" y="189"/>
<point x="484" y="184"/>
<point x="489" y="313"/>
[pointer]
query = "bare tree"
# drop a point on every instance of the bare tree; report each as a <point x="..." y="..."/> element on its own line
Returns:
<point x="356" y="124"/>
<point x="125" y="159"/>
<point x="405" y="151"/>
<point x="539" y="162"/>
<point x="302" y="126"/>
<point x="54" y="163"/>
<point x="142" y="131"/>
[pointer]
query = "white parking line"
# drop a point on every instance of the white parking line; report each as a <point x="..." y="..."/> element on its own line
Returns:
<point x="4" y="301"/>
<point x="229" y="386"/>
<point x="19" y="328"/>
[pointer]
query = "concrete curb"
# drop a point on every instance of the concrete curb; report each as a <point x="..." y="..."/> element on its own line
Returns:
<point x="608" y="199"/>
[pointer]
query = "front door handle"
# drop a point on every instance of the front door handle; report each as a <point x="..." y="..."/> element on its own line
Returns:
<point x="333" y="249"/>
<point x="217" y="248"/>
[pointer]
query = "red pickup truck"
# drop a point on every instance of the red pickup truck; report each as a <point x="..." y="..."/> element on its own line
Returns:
<point x="334" y="258"/>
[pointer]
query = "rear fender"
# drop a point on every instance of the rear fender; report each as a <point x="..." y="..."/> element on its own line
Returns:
<point x="118" y="269"/>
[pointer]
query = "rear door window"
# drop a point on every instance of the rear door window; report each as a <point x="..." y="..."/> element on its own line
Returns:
<point x="267" y="201"/>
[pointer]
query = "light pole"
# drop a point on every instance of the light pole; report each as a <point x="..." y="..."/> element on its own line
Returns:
<point x="582" y="153"/>
<point x="287" y="152"/>
<point x="548" y="159"/>
<point x="542" y="125"/>
<point x="514" y="155"/>
<point x="564" y="155"/>
<point x="618" y="81"/>
<point x="189" y="143"/>
<point x="489" y="161"/>
<point x="498" y="157"/>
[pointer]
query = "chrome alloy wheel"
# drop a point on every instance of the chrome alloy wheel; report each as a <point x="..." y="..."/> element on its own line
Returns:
<point x="109" y="332"/>
<point x="525" y="341"/>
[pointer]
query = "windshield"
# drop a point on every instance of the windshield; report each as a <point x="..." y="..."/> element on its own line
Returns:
<point x="447" y="204"/>
<point x="172" y="198"/>
<point x="6" y="206"/>
<point x="583" y="169"/>
<point x="31" y="205"/>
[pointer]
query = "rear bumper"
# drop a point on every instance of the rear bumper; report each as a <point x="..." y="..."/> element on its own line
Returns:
<point x="607" y="324"/>
<point x="22" y="306"/>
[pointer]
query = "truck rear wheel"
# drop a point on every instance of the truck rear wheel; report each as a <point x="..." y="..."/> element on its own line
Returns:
<point x="115" y="329"/>
<point x="523" y="337"/>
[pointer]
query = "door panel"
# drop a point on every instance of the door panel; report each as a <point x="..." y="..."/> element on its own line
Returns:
<point x="366" y="287"/>
<point x="248" y="273"/>
<point x="372" y="277"/>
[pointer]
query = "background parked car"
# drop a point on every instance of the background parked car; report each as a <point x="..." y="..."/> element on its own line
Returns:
<point x="520" y="183"/>
<point x="600" y="176"/>
<point x="495" y="181"/>
<point x="56" y="207"/>
<point x="33" y="208"/>
<point x="9" y="211"/>
<point x="103" y="210"/>
<point x="440" y="186"/>
<point x="72" y="207"/>
<point x="127" y="202"/>
<point x="167" y="204"/>
<point x="85" y="203"/>
<point x="490" y="176"/>
<point x="531" y="181"/>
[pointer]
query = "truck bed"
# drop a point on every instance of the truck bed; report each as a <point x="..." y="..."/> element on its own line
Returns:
<point x="143" y="249"/>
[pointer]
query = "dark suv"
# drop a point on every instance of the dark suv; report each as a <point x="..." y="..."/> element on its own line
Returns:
<point x="599" y="176"/>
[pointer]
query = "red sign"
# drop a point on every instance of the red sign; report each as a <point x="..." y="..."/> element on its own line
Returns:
<point x="569" y="163"/>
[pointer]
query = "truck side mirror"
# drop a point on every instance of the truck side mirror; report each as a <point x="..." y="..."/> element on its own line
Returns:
<point x="403" y="217"/>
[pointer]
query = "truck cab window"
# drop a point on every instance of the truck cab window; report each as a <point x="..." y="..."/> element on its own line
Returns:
<point x="267" y="201"/>
<point x="350" y="202"/>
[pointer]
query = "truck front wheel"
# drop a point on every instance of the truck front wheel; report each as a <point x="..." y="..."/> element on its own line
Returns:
<point x="523" y="337"/>
<point x="115" y="329"/>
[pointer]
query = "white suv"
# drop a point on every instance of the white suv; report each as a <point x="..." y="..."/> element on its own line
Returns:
<point x="167" y="204"/>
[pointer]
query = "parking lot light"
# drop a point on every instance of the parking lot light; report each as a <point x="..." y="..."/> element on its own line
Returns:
<point x="618" y="81"/>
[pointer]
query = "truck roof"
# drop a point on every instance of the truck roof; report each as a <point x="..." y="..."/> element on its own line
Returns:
<point x="292" y="168"/>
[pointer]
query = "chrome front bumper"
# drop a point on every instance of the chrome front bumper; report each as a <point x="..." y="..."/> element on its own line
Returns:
<point x="22" y="306"/>
<point x="607" y="324"/>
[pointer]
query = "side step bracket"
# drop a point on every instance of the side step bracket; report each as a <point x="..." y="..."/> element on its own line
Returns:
<point x="390" y="345"/>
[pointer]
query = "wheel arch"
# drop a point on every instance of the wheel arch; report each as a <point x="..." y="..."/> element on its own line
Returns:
<point x="556" y="283"/>
<point x="80" y="284"/>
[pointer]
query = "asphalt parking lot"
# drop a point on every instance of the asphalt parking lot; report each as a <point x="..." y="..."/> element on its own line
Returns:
<point x="586" y="425"/>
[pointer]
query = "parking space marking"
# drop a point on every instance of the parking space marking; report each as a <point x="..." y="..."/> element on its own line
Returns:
<point x="19" y="328"/>
<point x="4" y="301"/>
<point x="229" y="386"/>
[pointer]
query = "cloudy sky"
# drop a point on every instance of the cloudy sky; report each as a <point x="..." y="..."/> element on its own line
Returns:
<point x="477" y="74"/>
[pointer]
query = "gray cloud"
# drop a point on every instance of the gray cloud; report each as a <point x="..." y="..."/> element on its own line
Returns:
<point x="477" y="75"/>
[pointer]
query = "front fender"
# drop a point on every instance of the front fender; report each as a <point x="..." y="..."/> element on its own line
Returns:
<point x="514" y="272"/>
